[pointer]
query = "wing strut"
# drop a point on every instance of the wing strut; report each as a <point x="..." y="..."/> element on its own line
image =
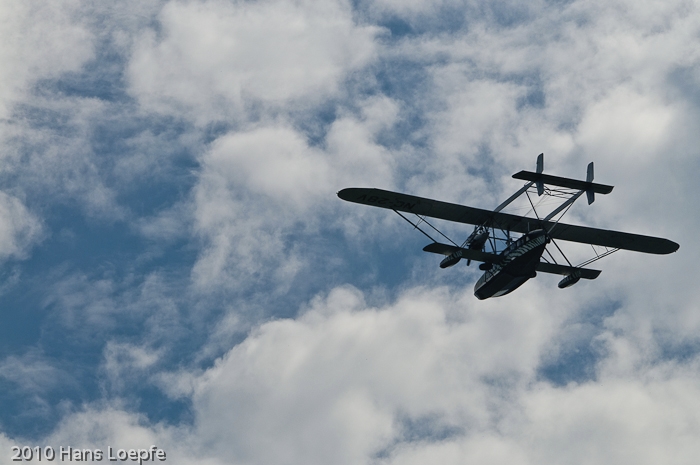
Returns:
<point x="598" y="256"/>
<point x="510" y="199"/>
<point x="564" y="205"/>
<point x="415" y="226"/>
<point x="540" y="186"/>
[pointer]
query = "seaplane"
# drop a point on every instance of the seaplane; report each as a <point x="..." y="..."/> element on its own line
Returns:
<point x="511" y="249"/>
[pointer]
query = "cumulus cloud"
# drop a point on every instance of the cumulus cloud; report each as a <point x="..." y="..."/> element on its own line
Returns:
<point x="275" y="161"/>
<point x="270" y="108"/>
<point x="259" y="186"/>
<point x="214" y="59"/>
<point x="347" y="375"/>
<point x="432" y="376"/>
<point x="540" y="80"/>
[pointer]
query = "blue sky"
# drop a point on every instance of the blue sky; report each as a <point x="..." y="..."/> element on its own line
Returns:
<point x="176" y="268"/>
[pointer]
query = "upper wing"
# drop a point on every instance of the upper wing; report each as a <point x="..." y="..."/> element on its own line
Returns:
<point x="478" y="216"/>
<point x="614" y="239"/>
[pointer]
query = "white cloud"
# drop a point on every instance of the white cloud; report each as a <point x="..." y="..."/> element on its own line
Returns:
<point x="274" y="161"/>
<point x="432" y="377"/>
<point x="38" y="40"/>
<point x="616" y="421"/>
<point x="56" y="157"/>
<point x="32" y="372"/>
<point x="214" y="58"/>
<point x="257" y="186"/>
<point x="82" y="302"/>
<point x="7" y="444"/>
<point x="41" y="41"/>
<point x="331" y="385"/>
<point x="19" y="228"/>
<point x="111" y="426"/>
<point x="168" y="224"/>
<point x="125" y="363"/>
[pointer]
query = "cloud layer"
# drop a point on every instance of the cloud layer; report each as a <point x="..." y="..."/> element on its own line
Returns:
<point x="178" y="270"/>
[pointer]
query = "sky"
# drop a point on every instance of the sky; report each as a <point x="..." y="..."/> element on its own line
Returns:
<point x="177" y="270"/>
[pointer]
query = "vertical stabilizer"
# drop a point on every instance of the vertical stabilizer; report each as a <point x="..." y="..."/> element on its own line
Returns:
<point x="589" y="178"/>
<point x="539" y="170"/>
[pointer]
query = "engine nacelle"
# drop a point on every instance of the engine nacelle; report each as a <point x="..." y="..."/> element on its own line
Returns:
<point x="569" y="280"/>
<point x="478" y="241"/>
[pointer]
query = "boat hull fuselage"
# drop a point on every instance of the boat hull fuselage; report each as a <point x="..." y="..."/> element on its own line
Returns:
<point x="516" y="264"/>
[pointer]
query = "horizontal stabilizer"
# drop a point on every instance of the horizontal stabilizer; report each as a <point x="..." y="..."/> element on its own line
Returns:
<point x="553" y="268"/>
<point x="563" y="182"/>
<point x="469" y="254"/>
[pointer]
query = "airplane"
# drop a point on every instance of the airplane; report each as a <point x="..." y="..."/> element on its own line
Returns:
<point x="508" y="262"/>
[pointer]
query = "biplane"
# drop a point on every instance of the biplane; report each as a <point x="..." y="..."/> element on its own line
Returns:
<point x="508" y="260"/>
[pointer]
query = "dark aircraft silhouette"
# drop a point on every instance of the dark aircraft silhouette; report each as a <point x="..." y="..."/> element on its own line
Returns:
<point x="510" y="261"/>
